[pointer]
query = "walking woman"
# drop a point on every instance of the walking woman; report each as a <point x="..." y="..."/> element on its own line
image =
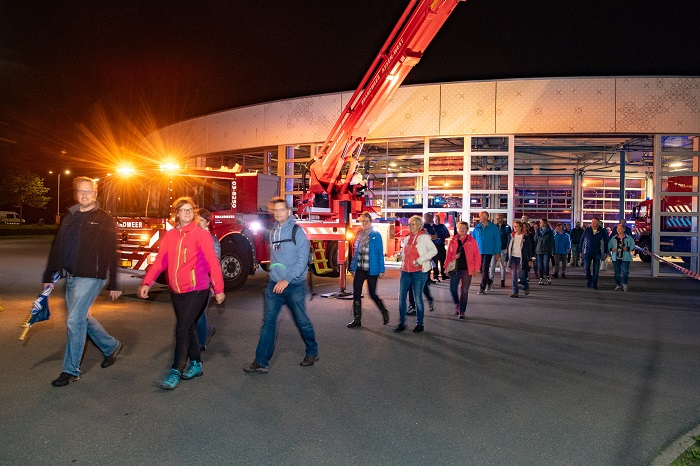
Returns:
<point x="544" y="249"/>
<point x="519" y="258"/>
<point x="417" y="252"/>
<point x="187" y="251"/>
<point x="621" y="246"/>
<point x="464" y="252"/>
<point x="367" y="264"/>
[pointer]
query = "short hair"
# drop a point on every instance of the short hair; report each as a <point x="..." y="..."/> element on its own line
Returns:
<point x="462" y="222"/>
<point x="279" y="200"/>
<point x="203" y="213"/>
<point x="84" y="179"/>
<point x="517" y="222"/>
<point x="365" y="215"/>
<point x="546" y="222"/>
<point x="415" y="219"/>
<point x="179" y="202"/>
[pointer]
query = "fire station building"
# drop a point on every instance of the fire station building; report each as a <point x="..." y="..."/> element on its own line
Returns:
<point x="563" y="149"/>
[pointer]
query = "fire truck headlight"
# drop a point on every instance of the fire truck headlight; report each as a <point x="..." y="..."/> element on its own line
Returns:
<point x="151" y="258"/>
<point x="255" y="227"/>
<point x="349" y="235"/>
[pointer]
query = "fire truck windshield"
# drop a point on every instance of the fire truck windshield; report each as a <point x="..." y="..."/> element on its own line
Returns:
<point x="151" y="195"/>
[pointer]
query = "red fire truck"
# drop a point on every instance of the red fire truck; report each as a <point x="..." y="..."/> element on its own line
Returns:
<point x="642" y="214"/>
<point x="332" y="201"/>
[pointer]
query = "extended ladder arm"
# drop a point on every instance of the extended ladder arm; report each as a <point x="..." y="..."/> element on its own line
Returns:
<point x="416" y="28"/>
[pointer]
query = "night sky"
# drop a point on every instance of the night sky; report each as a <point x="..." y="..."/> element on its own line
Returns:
<point x="82" y="77"/>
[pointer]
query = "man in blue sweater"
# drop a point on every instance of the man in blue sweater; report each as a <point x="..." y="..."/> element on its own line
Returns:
<point x="594" y="247"/>
<point x="489" y="241"/>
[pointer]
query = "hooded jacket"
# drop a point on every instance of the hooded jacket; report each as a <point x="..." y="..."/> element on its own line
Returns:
<point x="288" y="261"/>
<point x="188" y="254"/>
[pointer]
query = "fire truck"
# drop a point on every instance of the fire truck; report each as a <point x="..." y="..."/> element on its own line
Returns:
<point x="329" y="203"/>
<point x="642" y="215"/>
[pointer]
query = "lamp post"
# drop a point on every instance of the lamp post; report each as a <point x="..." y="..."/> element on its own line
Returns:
<point x="58" y="196"/>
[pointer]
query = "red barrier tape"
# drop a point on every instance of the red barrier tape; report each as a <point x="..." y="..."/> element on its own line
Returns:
<point x="675" y="266"/>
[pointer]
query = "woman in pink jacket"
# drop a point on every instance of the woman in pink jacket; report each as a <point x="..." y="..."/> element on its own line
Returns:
<point x="465" y="252"/>
<point x="187" y="251"/>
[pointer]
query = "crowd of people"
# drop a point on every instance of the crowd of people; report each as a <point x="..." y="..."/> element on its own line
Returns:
<point x="84" y="252"/>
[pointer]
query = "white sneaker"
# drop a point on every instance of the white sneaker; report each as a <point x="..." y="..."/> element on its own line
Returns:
<point x="618" y="288"/>
<point x="625" y="288"/>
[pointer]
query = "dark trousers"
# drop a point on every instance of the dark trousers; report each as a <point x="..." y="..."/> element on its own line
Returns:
<point x="459" y="287"/>
<point x="439" y="261"/>
<point x="358" y="282"/>
<point x="188" y="307"/>
<point x="485" y="264"/>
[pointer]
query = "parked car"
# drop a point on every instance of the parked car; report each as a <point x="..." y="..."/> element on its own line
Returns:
<point x="10" y="217"/>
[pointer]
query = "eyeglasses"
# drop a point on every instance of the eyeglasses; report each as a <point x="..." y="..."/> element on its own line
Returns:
<point x="185" y="211"/>
<point x="280" y="210"/>
<point x="85" y="193"/>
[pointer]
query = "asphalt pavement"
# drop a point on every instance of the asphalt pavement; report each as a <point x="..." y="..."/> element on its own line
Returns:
<point x="565" y="376"/>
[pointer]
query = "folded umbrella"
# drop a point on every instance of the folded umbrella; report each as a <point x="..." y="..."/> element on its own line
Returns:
<point x="40" y="308"/>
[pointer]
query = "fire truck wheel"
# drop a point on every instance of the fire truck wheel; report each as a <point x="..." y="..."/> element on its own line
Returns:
<point x="235" y="265"/>
<point x="332" y="257"/>
<point x="644" y="243"/>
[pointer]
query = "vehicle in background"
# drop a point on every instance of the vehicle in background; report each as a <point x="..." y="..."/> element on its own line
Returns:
<point x="11" y="218"/>
<point x="642" y="216"/>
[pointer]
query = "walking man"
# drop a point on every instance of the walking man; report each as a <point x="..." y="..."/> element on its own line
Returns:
<point x="442" y="234"/>
<point x="85" y="252"/>
<point x="576" y="235"/>
<point x="489" y="241"/>
<point x="594" y="247"/>
<point x="289" y="258"/>
<point x="504" y="231"/>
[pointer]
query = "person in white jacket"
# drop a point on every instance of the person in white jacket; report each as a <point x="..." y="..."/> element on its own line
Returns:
<point x="417" y="253"/>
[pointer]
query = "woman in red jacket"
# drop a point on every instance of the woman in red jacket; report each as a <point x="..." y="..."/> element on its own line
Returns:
<point x="188" y="253"/>
<point x="464" y="251"/>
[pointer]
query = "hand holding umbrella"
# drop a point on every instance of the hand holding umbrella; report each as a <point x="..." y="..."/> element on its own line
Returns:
<point x="40" y="308"/>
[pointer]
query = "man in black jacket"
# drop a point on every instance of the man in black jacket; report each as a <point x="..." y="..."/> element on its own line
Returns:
<point x="576" y="235"/>
<point x="85" y="252"/>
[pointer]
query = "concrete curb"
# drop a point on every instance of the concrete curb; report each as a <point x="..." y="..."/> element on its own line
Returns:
<point x="676" y="448"/>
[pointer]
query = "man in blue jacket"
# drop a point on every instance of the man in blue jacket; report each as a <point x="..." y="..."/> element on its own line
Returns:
<point x="594" y="248"/>
<point x="489" y="241"/>
<point x="289" y="259"/>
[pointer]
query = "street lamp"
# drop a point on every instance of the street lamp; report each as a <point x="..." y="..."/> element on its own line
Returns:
<point x="58" y="196"/>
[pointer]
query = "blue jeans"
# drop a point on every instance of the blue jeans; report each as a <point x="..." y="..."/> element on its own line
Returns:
<point x="81" y="292"/>
<point x="543" y="265"/>
<point x="417" y="280"/>
<point x="518" y="269"/>
<point x="294" y="296"/>
<point x="203" y="327"/>
<point x="622" y="271"/>
<point x="592" y="266"/>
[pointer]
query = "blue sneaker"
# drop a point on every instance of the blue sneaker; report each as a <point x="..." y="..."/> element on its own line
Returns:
<point x="173" y="379"/>
<point x="195" y="370"/>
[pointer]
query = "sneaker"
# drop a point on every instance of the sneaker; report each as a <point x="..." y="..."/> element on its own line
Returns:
<point x="431" y="282"/>
<point x="255" y="367"/>
<point x="461" y="316"/>
<point x="541" y="282"/>
<point x="195" y="370"/>
<point x="556" y="275"/>
<point x="481" y="291"/>
<point x="411" y="311"/>
<point x="456" y="309"/>
<point x="64" y="379"/>
<point x="445" y="277"/>
<point x="513" y="295"/>
<point x="549" y="280"/>
<point x="563" y="275"/>
<point x="488" y="287"/>
<point x="527" y="292"/>
<point x="618" y="288"/>
<point x="503" y="283"/>
<point x="400" y="328"/>
<point x="625" y="288"/>
<point x="309" y="361"/>
<point x="418" y="329"/>
<point x="112" y="358"/>
<point x="172" y="380"/>
<point x="431" y="304"/>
